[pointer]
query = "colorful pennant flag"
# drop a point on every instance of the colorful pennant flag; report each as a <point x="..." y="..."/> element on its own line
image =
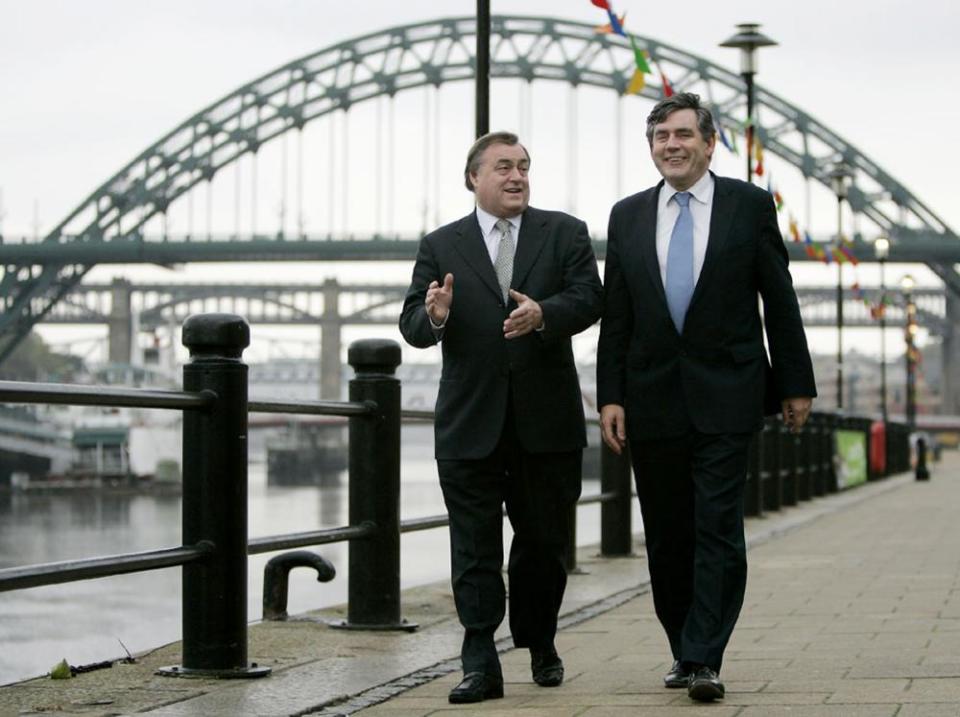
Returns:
<point x="640" y="57"/>
<point x="608" y="28"/>
<point x="637" y="83"/>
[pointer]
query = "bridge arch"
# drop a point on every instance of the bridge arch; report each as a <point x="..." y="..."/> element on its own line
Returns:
<point x="411" y="56"/>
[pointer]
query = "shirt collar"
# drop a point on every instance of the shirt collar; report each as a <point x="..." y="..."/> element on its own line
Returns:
<point x="488" y="221"/>
<point x="702" y="190"/>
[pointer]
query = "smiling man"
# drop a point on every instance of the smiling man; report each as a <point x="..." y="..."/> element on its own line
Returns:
<point x="683" y="379"/>
<point x="502" y="290"/>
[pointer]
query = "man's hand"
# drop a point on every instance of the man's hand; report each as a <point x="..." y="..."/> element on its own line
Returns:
<point x="795" y="412"/>
<point x="439" y="298"/>
<point x="613" y="427"/>
<point x="527" y="317"/>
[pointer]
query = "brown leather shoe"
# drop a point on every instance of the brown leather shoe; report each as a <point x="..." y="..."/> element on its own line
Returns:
<point x="678" y="676"/>
<point x="477" y="687"/>
<point x="705" y="685"/>
<point x="547" y="667"/>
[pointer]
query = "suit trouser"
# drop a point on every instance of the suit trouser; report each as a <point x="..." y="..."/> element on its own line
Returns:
<point x="691" y="499"/>
<point x="539" y="491"/>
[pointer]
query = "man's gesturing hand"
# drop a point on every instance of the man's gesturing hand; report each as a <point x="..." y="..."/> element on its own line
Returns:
<point x="439" y="298"/>
<point x="527" y="317"/>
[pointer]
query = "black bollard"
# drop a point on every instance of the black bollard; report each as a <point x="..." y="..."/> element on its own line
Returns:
<point x="616" y="537"/>
<point x="922" y="473"/>
<point x="373" y="583"/>
<point x="215" y="501"/>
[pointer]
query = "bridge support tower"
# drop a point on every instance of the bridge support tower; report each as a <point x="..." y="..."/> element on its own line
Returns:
<point x="950" y="353"/>
<point x="120" y="323"/>
<point x="330" y="326"/>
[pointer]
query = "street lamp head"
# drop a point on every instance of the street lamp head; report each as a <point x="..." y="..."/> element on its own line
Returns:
<point x="840" y="177"/>
<point x="747" y="39"/>
<point x="907" y="283"/>
<point x="881" y="247"/>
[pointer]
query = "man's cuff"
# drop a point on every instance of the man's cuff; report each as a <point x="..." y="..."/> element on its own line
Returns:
<point x="437" y="327"/>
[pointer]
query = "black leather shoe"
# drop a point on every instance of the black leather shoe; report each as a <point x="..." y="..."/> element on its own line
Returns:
<point x="547" y="667"/>
<point x="705" y="685"/>
<point x="678" y="676"/>
<point x="477" y="687"/>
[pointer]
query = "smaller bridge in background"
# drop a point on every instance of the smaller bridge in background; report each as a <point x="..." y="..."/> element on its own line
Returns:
<point x="127" y="308"/>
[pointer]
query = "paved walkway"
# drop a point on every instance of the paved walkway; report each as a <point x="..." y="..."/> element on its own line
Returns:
<point x="854" y="614"/>
<point x="852" y="610"/>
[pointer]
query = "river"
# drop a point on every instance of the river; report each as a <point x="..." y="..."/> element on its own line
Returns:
<point x="86" y="621"/>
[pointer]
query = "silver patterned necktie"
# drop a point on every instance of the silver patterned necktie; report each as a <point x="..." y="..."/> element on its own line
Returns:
<point x="504" y="263"/>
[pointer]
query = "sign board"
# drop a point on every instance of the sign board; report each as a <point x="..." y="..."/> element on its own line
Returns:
<point x="850" y="456"/>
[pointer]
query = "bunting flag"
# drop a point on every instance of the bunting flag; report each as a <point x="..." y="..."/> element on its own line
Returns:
<point x="615" y="25"/>
<point x="665" y="83"/>
<point x="794" y="230"/>
<point x="667" y="87"/>
<point x="777" y="199"/>
<point x="758" y="155"/>
<point x="640" y="57"/>
<point x="727" y="139"/>
<point x="637" y="82"/>
<point x="847" y="254"/>
<point x="608" y="28"/>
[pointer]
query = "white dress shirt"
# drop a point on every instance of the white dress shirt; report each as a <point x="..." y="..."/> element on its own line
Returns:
<point x="491" y="235"/>
<point x="701" y="205"/>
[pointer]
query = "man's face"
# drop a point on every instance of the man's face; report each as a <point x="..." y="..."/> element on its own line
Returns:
<point x="679" y="150"/>
<point x="500" y="183"/>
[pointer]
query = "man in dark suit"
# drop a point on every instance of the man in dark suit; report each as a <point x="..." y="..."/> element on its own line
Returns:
<point x="682" y="375"/>
<point x="502" y="290"/>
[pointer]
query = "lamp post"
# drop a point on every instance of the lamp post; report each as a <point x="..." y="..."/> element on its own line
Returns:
<point x="482" y="101"/>
<point x="840" y="177"/>
<point x="747" y="40"/>
<point x="881" y="248"/>
<point x="907" y="284"/>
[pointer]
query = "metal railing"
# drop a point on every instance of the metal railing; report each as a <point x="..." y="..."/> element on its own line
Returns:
<point x="784" y="468"/>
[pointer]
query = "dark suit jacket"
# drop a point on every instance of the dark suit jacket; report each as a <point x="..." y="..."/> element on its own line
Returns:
<point x="555" y="266"/>
<point x="716" y="375"/>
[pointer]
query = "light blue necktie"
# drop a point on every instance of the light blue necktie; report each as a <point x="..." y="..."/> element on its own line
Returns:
<point x="680" y="262"/>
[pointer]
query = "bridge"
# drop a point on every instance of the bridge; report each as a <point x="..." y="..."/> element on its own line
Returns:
<point x="128" y="218"/>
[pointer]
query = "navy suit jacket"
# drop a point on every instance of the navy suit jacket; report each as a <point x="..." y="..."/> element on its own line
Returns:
<point x="483" y="372"/>
<point x="716" y="375"/>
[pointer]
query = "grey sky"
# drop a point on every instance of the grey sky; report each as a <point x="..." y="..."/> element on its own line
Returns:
<point x="86" y="86"/>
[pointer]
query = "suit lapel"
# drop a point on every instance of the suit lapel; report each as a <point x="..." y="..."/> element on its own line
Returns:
<point x="472" y="248"/>
<point x="721" y="217"/>
<point x="647" y="238"/>
<point x="529" y="245"/>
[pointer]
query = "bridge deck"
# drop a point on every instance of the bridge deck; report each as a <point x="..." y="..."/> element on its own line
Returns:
<point x="853" y="608"/>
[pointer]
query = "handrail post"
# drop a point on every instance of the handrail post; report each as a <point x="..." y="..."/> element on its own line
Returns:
<point x="373" y="581"/>
<point x="214" y="591"/>
<point x="616" y="536"/>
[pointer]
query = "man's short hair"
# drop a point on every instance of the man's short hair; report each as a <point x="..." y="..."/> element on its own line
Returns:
<point x="476" y="151"/>
<point x="681" y="101"/>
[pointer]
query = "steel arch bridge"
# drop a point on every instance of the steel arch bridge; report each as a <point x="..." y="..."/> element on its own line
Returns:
<point x="403" y="58"/>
